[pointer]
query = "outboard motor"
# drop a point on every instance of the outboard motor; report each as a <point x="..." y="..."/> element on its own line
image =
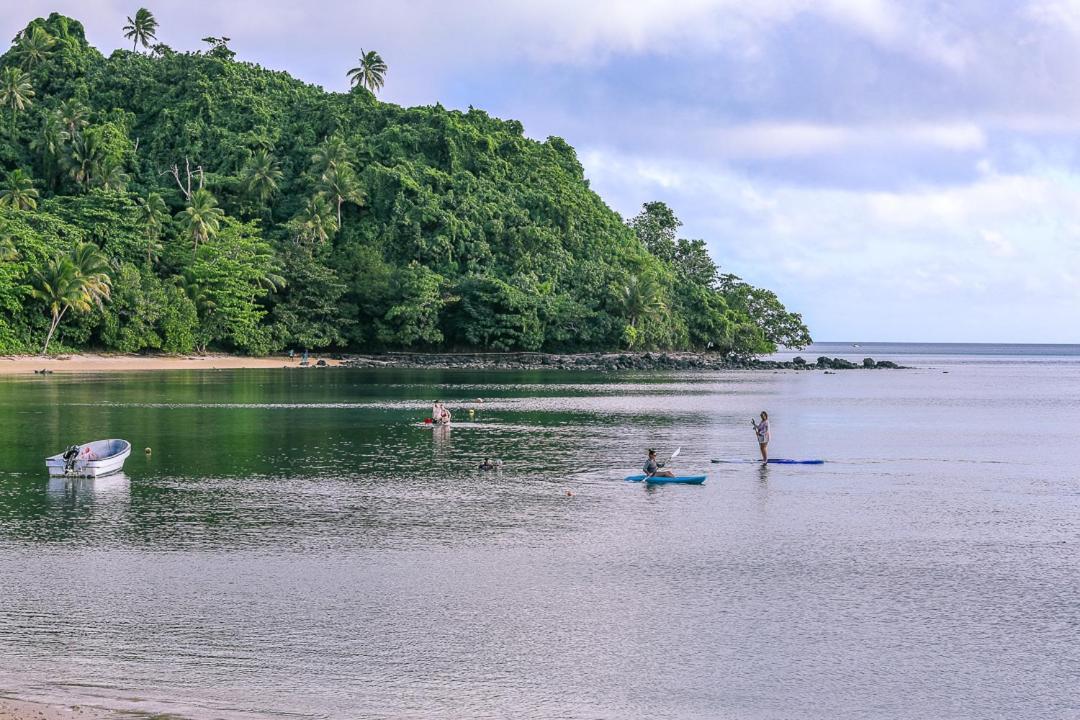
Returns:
<point x="70" y="456"/>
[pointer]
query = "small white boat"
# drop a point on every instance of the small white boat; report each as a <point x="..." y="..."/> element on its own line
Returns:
<point x="92" y="459"/>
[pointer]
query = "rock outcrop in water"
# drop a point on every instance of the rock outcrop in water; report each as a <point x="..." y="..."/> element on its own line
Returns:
<point x="603" y="362"/>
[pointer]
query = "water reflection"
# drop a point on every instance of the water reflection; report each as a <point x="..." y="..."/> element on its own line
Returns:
<point x="298" y="545"/>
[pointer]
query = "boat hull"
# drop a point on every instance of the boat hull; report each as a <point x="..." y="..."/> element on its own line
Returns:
<point x="677" y="480"/>
<point x="94" y="459"/>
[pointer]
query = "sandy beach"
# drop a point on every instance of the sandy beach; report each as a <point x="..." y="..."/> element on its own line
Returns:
<point x="93" y="363"/>
<point x="23" y="710"/>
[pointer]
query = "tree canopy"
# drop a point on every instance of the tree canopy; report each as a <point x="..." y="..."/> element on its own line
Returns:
<point x="235" y="207"/>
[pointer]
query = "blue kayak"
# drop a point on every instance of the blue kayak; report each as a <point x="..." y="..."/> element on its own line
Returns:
<point x="656" y="480"/>
<point x="777" y="461"/>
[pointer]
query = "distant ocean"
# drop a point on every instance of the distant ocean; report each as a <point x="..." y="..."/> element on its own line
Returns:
<point x="939" y="353"/>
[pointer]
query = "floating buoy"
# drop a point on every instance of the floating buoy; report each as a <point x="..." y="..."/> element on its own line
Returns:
<point x="147" y="450"/>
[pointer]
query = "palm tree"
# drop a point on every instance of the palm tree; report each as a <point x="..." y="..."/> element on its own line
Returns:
<point x="152" y="214"/>
<point x="202" y="217"/>
<point x="331" y="153"/>
<point x="73" y="282"/>
<point x="17" y="191"/>
<point x="50" y="143"/>
<point x="33" y="48"/>
<point x="339" y="184"/>
<point x="112" y="176"/>
<point x="315" y="222"/>
<point x="15" y="91"/>
<point x="261" y="175"/>
<point x="370" y="72"/>
<point x="141" y="29"/>
<point x="87" y="158"/>
<point x="642" y="299"/>
<point x="73" y="114"/>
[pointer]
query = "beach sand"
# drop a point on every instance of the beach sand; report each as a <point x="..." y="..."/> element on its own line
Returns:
<point x="91" y="363"/>
<point x="22" y="710"/>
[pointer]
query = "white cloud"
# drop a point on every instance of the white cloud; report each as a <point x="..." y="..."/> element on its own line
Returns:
<point x="986" y="260"/>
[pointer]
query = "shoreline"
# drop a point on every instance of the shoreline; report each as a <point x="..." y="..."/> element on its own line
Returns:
<point x="594" y="362"/>
<point x="12" y="709"/>
<point x="100" y="362"/>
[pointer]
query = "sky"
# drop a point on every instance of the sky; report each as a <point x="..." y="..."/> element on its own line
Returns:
<point x="895" y="171"/>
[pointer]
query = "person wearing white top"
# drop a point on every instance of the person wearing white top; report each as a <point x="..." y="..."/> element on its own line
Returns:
<point x="763" y="435"/>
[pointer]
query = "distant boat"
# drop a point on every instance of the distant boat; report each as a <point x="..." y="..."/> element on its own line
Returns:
<point x="92" y="459"/>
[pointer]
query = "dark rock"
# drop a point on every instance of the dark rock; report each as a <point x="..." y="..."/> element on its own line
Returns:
<point x="869" y="363"/>
<point x="798" y="361"/>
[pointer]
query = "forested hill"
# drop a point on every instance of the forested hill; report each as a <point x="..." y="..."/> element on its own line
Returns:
<point x="159" y="199"/>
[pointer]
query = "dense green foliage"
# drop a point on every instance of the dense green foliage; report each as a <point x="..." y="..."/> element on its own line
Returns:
<point x="240" y="209"/>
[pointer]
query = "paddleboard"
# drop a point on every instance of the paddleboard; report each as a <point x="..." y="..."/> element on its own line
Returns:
<point x="773" y="461"/>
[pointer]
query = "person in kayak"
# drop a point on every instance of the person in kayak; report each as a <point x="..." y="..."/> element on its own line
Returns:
<point x="652" y="468"/>
<point x="763" y="435"/>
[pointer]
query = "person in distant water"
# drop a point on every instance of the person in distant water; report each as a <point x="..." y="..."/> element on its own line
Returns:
<point x="652" y="468"/>
<point x="487" y="464"/>
<point x="439" y="414"/>
<point x="763" y="435"/>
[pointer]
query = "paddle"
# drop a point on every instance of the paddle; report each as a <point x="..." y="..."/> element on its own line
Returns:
<point x="670" y="458"/>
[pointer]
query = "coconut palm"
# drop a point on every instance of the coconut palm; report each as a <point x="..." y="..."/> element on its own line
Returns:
<point x="371" y="71"/>
<point x="152" y="215"/>
<point x="141" y="30"/>
<point x="15" y="91"/>
<point x="87" y="158"/>
<point x="31" y="49"/>
<point x="339" y="184"/>
<point x="333" y="152"/>
<point x="73" y="115"/>
<point x="75" y="282"/>
<point x="112" y="176"/>
<point x="642" y="299"/>
<point x="260" y="176"/>
<point x="50" y="143"/>
<point x="17" y="191"/>
<point x="315" y="222"/>
<point x="202" y="217"/>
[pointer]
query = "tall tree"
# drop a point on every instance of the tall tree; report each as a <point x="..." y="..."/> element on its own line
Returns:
<point x="34" y="48"/>
<point x="17" y="191"/>
<point x="141" y="30"/>
<point x="112" y="176"/>
<point x="152" y="215"/>
<point x="74" y="115"/>
<point x="314" y="223"/>
<point x="656" y="226"/>
<point x="332" y="152"/>
<point x="642" y="301"/>
<point x="260" y="176"/>
<point x="16" y="92"/>
<point x="87" y="158"/>
<point x="339" y="184"/>
<point x="50" y="144"/>
<point x="371" y="72"/>
<point x="202" y="217"/>
<point x="75" y="282"/>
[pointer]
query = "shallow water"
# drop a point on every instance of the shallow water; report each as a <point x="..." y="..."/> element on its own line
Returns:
<point x="297" y="544"/>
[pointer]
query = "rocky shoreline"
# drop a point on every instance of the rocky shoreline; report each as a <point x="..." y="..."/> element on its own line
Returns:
<point x="603" y="362"/>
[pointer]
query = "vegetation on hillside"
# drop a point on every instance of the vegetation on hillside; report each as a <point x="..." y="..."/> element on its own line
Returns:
<point x="180" y="201"/>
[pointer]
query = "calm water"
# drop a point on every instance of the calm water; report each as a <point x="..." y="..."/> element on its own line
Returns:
<point x="297" y="546"/>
